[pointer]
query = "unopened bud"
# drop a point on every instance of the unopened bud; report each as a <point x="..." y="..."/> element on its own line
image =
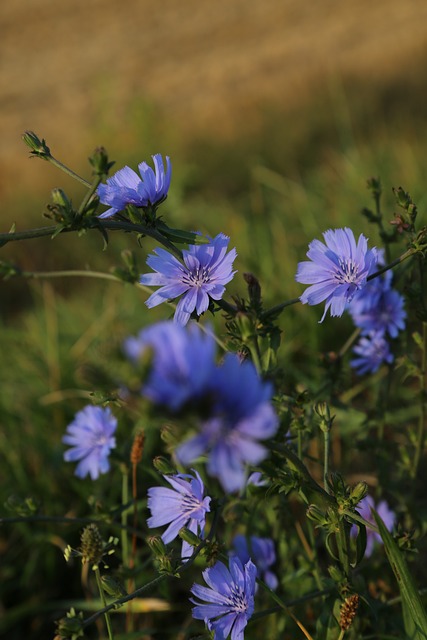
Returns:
<point x="157" y="546"/>
<point x="100" y="163"/>
<point x="70" y="627"/>
<point x="189" y="536"/>
<point x="358" y="492"/>
<point x="112" y="586"/>
<point x="163" y="466"/>
<point x="38" y="147"/>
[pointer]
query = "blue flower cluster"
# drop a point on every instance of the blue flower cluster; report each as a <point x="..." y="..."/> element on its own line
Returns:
<point x="338" y="272"/>
<point x="378" y="311"/>
<point x="237" y="403"/>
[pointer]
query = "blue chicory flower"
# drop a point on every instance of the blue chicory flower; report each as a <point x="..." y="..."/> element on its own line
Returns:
<point x="206" y="269"/>
<point x="371" y="351"/>
<point x="241" y="415"/>
<point x="228" y="601"/>
<point x="182" y="362"/>
<point x="126" y="187"/>
<point x="91" y="438"/>
<point x="261" y="552"/>
<point x="378" y="308"/>
<point x="181" y="506"/>
<point x="386" y="514"/>
<point x="336" y="270"/>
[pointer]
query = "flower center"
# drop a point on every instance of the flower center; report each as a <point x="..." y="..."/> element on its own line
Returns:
<point x="198" y="277"/>
<point x="238" y="601"/>
<point x="348" y="271"/>
<point x="190" y="504"/>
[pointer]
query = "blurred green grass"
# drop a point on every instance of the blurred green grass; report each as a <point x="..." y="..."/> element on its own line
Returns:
<point x="271" y="193"/>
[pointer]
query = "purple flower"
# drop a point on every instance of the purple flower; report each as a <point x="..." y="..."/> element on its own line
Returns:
<point x="91" y="438"/>
<point x="378" y="308"/>
<point x="206" y="269"/>
<point x="181" y="506"/>
<point x="337" y="269"/>
<point x="182" y="362"/>
<point x="261" y="552"/>
<point x="386" y="514"/>
<point x="241" y="415"/>
<point x="126" y="187"/>
<point x="229" y="598"/>
<point x="372" y="351"/>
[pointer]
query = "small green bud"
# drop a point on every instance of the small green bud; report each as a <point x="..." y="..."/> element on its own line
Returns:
<point x="100" y="163"/>
<point x="317" y="515"/>
<point x="38" y="147"/>
<point x="254" y="289"/>
<point x="157" y="546"/>
<point x="189" y="536"/>
<point x="163" y="466"/>
<point x="113" y="587"/>
<point x="245" y="327"/>
<point x="358" y="492"/>
<point x="70" y="627"/>
<point x="336" y="574"/>
<point x="60" y="198"/>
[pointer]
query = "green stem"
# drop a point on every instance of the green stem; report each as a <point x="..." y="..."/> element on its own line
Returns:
<point x="66" y="170"/>
<point x="343" y="546"/>
<point x="275" y="310"/>
<point x="93" y="187"/>
<point x="125" y="500"/>
<point x="410" y="252"/>
<point x="423" y="413"/>
<point x="104" y="602"/>
<point x="326" y="447"/>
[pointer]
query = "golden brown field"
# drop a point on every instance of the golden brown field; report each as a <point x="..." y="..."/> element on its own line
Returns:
<point x="75" y="72"/>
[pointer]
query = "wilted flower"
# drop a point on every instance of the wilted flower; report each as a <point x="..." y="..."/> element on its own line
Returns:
<point x="206" y="269"/>
<point x="261" y="552"/>
<point x="91" y="438"/>
<point x="126" y="187"/>
<point x="182" y="362"/>
<point x="386" y="514"/>
<point x="241" y="416"/>
<point x="228" y="601"/>
<point x="372" y="351"/>
<point x="336" y="269"/>
<point x="181" y="506"/>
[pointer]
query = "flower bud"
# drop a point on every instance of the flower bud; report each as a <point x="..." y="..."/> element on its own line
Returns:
<point x="99" y="161"/>
<point x="38" y="147"/>
<point x="189" y="536"/>
<point x="70" y="627"/>
<point x="157" y="546"/>
<point x="163" y="466"/>
<point x="113" y="587"/>
<point x="358" y="492"/>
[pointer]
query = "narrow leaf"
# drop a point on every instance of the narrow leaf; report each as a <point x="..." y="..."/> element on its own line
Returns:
<point x="414" y="613"/>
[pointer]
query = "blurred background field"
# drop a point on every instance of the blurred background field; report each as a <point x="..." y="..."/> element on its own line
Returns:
<point x="274" y="113"/>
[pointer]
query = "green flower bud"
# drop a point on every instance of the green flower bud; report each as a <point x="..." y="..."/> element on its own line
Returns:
<point x="38" y="147"/>
<point x="189" y="536"/>
<point x="157" y="546"/>
<point x="113" y="587"/>
<point x="100" y="163"/>
<point x="70" y="627"/>
<point x="358" y="492"/>
<point x="163" y="466"/>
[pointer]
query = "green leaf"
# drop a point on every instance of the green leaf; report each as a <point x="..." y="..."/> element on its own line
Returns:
<point x="414" y="613"/>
